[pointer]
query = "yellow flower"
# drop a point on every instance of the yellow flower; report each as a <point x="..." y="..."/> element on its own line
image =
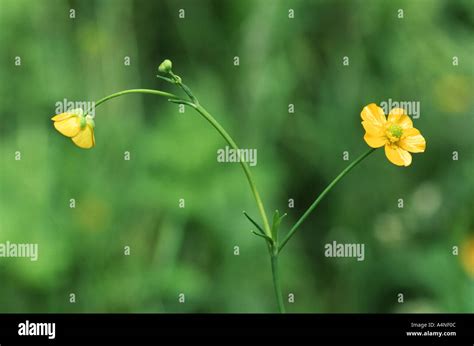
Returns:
<point x="396" y="133"/>
<point x="78" y="127"/>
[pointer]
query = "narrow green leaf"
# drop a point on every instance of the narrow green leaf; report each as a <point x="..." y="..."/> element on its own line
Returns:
<point x="169" y="80"/>
<point x="262" y="236"/>
<point x="255" y="224"/>
<point x="275" y="224"/>
<point x="181" y="102"/>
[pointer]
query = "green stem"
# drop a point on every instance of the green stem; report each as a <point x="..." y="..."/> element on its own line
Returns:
<point x="276" y="282"/>
<point x="141" y="91"/>
<point x="322" y="195"/>
<point x="218" y="127"/>
<point x="201" y="110"/>
<point x="248" y="174"/>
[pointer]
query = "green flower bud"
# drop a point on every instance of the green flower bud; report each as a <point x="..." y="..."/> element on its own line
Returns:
<point x="165" y="66"/>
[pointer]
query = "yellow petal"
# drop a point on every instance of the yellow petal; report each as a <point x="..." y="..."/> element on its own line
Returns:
<point x="397" y="155"/>
<point x="375" y="141"/>
<point x="85" y="138"/>
<point x="373" y="130"/>
<point x="68" y="114"/>
<point x="374" y="115"/>
<point x="413" y="141"/>
<point x="69" y="127"/>
<point x="399" y="117"/>
<point x="62" y="116"/>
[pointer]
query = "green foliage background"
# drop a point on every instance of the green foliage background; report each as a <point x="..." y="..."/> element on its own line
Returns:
<point x="135" y="203"/>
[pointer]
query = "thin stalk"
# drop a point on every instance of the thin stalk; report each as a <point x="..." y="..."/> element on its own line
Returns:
<point x="276" y="282"/>
<point x="141" y="91"/>
<point x="217" y="126"/>
<point x="273" y="248"/>
<point x="322" y="195"/>
<point x="248" y="174"/>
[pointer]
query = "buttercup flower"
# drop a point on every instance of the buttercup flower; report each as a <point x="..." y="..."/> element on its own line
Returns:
<point x="396" y="133"/>
<point x="78" y="127"/>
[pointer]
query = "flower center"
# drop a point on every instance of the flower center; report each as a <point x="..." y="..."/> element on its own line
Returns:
<point x="394" y="132"/>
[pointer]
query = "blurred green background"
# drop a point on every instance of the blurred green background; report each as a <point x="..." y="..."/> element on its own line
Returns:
<point x="173" y="155"/>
